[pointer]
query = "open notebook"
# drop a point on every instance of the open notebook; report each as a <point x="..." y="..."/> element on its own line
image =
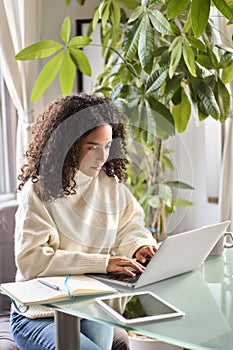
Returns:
<point x="51" y="289"/>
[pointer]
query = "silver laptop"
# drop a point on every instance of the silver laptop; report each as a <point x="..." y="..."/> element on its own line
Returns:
<point x="176" y="255"/>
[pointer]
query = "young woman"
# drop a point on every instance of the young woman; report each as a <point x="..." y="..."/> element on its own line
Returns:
<point x="75" y="214"/>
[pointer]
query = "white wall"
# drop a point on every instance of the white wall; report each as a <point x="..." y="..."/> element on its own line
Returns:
<point x="189" y="148"/>
<point x="193" y="156"/>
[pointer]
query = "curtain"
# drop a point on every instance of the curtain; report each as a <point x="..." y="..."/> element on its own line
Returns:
<point x="20" y="26"/>
<point x="226" y="180"/>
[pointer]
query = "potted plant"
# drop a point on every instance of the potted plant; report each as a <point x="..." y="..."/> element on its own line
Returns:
<point x="164" y="70"/>
<point x="139" y="342"/>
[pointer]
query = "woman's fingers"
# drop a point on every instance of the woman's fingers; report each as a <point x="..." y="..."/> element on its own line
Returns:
<point x="124" y="265"/>
<point x="145" y="252"/>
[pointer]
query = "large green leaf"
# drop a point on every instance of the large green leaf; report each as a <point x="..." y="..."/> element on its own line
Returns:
<point x="115" y="14"/>
<point x="181" y="112"/>
<point x="105" y="12"/>
<point x="163" y="118"/>
<point x="227" y="74"/>
<point x="65" y="30"/>
<point x="175" y="56"/>
<point x="145" y="121"/>
<point x="129" y="93"/>
<point x="67" y="74"/>
<point x="213" y="58"/>
<point x="205" y="61"/>
<point x="199" y="14"/>
<point x="175" y="7"/>
<point x="146" y="44"/>
<point x="81" y="61"/>
<point x="130" y="5"/>
<point x="181" y="203"/>
<point x="207" y="98"/>
<point x="159" y="22"/>
<point x="223" y="98"/>
<point x="194" y="108"/>
<point x="230" y="4"/>
<point x="176" y="98"/>
<point x="179" y="184"/>
<point x="189" y="58"/>
<point x="132" y="39"/>
<point x="46" y="77"/>
<point x="197" y="43"/>
<point x="156" y="79"/>
<point x="155" y="201"/>
<point x="167" y="163"/>
<point x="41" y="49"/>
<point x="166" y="194"/>
<point x="145" y="3"/>
<point x="187" y="28"/>
<point x="226" y="60"/>
<point x="79" y="41"/>
<point x="171" y="87"/>
<point x="224" y="8"/>
<point x="95" y="18"/>
<point x="136" y="14"/>
<point x="175" y="42"/>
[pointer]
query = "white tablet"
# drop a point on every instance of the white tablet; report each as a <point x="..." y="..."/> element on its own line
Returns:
<point x="138" y="307"/>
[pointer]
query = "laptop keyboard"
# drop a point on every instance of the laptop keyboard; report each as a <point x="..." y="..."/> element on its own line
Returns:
<point x="119" y="277"/>
<point x="125" y="278"/>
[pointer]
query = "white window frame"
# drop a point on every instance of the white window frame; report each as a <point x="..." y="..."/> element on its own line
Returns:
<point x="8" y="124"/>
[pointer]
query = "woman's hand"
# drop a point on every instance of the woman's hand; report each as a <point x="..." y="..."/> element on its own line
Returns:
<point x="145" y="252"/>
<point x="120" y="264"/>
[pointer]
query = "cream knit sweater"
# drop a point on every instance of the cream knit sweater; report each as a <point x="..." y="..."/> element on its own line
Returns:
<point x="76" y="234"/>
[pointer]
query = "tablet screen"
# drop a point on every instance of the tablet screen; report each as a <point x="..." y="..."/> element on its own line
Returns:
<point x="139" y="307"/>
<point x="144" y="305"/>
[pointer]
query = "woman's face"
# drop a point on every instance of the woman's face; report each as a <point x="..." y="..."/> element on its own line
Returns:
<point x="94" y="150"/>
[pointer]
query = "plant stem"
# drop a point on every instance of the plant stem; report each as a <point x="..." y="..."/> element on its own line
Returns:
<point x="158" y="222"/>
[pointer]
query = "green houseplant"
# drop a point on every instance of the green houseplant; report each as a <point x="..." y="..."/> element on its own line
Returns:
<point x="163" y="66"/>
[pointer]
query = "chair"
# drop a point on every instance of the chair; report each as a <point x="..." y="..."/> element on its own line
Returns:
<point x="7" y="270"/>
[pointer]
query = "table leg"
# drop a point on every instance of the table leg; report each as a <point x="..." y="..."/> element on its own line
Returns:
<point x="67" y="331"/>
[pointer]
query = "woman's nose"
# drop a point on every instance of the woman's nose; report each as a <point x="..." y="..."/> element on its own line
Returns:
<point x="102" y="155"/>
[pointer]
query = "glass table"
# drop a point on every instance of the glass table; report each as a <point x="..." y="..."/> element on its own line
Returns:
<point x="205" y="295"/>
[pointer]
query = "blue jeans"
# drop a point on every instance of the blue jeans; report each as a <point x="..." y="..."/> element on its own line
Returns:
<point x="39" y="334"/>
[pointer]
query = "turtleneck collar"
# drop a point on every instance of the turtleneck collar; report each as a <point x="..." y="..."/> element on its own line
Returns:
<point x="83" y="180"/>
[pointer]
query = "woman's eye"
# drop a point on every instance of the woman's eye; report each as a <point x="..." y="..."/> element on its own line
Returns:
<point x="92" y="149"/>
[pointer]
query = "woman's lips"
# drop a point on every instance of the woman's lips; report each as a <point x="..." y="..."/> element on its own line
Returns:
<point x="96" y="168"/>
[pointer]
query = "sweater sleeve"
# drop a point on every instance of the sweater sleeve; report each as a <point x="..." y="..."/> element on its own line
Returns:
<point x="37" y="243"/>
<point x="132" y="233"/>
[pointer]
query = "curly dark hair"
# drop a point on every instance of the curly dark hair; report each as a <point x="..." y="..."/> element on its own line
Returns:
<point x="52" y="155"/>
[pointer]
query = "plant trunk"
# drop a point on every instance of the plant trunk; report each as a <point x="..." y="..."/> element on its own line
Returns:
<point x="158" y="221"/>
